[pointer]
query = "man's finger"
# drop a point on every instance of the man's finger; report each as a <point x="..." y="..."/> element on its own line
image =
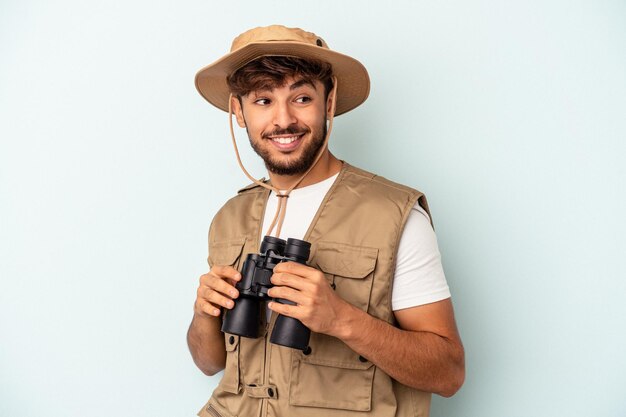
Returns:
<point x="207" y="308"/>
<point x="290" y="280"/>
<point x="220" y="285"/>
<point x="226" y="272"/>
<point x="295" y="268"/>
<point x="284" y="309"/>
<point x="218" y="299"/>
<point x="288" y="293"/>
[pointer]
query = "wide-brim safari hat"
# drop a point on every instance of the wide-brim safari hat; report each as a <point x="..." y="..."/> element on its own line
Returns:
<point x="352" y="78"/>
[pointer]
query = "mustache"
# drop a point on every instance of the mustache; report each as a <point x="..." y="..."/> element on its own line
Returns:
<point x="291" y="130"/>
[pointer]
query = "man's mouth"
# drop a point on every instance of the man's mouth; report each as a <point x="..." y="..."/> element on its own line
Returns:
<point x="285" y="140"/>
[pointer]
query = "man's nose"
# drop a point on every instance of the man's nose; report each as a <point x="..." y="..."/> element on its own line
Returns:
<point x="284" y="116"/>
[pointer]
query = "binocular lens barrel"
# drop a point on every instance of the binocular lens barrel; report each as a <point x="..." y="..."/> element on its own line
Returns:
<point x="288" y="331"/>
<point x="298" y="249"/>
<point x="243" y="319"/>
<point x="291" y="333"/>
<point x="274" y="244"/>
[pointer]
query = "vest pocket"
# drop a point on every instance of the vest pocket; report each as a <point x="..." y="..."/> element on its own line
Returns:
<point x="324" y="382"/>
<point x="226" y="253"/>
<point x="349" y="269"/>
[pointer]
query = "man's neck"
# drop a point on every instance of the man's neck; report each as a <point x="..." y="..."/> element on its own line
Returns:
<point x="326" y="167"/>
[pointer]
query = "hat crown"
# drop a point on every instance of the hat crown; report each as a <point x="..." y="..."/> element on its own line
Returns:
<point x="276" y="33"/>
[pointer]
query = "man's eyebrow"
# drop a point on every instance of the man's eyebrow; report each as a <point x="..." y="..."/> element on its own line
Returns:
<point x="300" y="83"/>
<point x="261" y="90"/>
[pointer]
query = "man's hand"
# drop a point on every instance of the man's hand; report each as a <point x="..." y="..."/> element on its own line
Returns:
<point x="205" y="340"/>
<point x="216" y="289"/>
<point x="318" y="306"/>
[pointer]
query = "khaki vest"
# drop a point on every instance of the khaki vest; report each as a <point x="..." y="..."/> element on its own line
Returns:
<point x="354" y="237"/>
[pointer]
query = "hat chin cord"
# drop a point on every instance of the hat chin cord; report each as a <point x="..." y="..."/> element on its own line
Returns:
<point x="279" y="217"/>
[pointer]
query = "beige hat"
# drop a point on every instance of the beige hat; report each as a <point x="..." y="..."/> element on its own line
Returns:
<point x="352" y="79"/>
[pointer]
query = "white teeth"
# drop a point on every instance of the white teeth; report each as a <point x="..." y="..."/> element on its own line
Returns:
<point x="285" y="141"/>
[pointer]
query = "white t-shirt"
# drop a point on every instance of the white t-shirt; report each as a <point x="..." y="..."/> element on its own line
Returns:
<point x="419" y="277"/>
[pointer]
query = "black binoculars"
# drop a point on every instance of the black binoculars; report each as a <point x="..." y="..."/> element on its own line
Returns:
<point x="243" y="318"/>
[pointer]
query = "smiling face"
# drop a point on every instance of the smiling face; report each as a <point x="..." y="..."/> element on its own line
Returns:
<point x="286" y="125"/>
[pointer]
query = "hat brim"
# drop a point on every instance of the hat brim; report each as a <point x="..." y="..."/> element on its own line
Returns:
<point x="352" y="77"/>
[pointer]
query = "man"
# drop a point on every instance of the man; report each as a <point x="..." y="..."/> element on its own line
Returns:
<point x="373" y="294"/>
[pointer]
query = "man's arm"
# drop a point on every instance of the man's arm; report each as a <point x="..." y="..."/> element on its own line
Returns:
<point x="204" y="337"/>
<point x="425" y="353"/>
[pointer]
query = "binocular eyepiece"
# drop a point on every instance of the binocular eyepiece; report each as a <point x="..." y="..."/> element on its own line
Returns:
<point x="243" y="318"/>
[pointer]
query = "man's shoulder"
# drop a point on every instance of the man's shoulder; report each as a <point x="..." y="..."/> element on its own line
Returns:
<point x="252" y="188"/>
<point x="247" y="192"/>
<point x="353" y="173"/>
<point x="243" y="199"/>
<point x="376" y="189"/>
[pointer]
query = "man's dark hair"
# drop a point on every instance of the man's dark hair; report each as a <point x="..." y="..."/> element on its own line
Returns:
<point x="269" y="72"/>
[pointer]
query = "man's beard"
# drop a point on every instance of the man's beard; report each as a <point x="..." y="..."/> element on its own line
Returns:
<point x="294" y="166"/>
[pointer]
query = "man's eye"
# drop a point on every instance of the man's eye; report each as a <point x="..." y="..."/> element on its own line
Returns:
<point x="262" y="101"/>
<point x="303" y="99"/>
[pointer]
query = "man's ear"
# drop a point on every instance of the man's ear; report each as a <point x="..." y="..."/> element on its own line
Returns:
<point x="238" y="111"/>
<point x="329" y="103"/>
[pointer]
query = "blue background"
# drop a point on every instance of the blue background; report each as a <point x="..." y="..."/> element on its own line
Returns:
<point x="509" y="115"/>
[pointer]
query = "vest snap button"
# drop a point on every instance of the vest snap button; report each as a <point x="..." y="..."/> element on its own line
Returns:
<point x="231" y="340"/>
<point x="362" y="359"/>
<point x="333" y="286"/>
<point x="307" y="350"/>
<point x="270" y="392"/>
